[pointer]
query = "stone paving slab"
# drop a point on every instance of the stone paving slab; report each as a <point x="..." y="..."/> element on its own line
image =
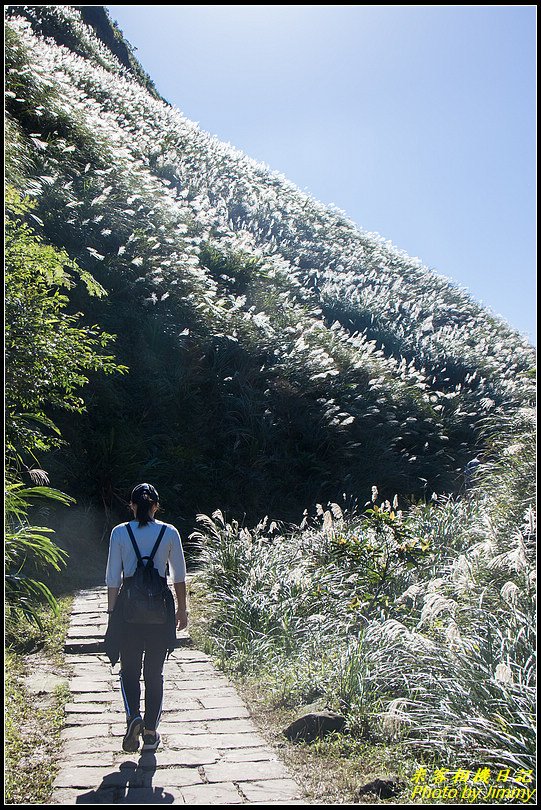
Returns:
<point x="90" y="685"/>
<point x="224" y="793"/>
<point x="221" y="741"/>
<point x="232" y="713"/>
<point x="261" y="754"/>
<point x="95" y="697"/>
<point x="229" y="726"/>
<point x="88" y="708"/>
<point x="73" y="747"/>
<point x="269" y="790"/>
<point x="245" y="771"/>
<point x="93" y="713"/>
<point x="210" y="753"/>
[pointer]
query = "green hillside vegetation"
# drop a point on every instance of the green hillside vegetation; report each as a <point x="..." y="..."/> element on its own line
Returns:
<point x="278" y="355"/>
<point x="191" y="318"/>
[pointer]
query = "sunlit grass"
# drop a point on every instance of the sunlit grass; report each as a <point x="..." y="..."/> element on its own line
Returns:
<point x="419" y="627"/>
<point x="33" y="722"/>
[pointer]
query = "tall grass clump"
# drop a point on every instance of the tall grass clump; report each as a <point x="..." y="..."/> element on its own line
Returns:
<point x="418" y="622"/>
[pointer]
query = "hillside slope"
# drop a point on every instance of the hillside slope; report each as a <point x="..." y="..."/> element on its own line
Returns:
<point x="279" y="355"/>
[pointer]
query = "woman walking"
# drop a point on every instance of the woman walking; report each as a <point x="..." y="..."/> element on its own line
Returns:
<point x="137" y="644"/>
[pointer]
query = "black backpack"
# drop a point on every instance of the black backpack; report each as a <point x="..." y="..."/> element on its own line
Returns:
<point x="146" y="593"/>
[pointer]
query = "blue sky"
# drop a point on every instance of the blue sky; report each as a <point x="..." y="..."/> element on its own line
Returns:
<point x="419" y="122"/>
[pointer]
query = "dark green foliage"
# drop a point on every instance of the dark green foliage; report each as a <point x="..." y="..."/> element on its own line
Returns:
<point x="47" y="351"/>
<point x="28" y="552"/>
<point x="48" y="355"/>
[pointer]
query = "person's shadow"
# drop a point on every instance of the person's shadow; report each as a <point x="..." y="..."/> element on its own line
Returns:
<point x="131" y="784"/>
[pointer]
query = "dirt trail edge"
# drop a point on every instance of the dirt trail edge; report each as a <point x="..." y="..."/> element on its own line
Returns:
<point x="210" y="752"/>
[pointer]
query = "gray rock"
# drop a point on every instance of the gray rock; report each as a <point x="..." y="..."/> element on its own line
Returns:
<point x="314" y="725"/>
<point x="382" y="788"/>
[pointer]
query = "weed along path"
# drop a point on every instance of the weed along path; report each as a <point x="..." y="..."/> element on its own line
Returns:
<point x="210" y="752"/>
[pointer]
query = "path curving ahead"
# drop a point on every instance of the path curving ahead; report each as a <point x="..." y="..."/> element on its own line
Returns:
<point x="210" y="752"/>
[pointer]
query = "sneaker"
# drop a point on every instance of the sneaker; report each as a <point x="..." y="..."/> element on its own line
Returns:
<point x="130" y="742"/>
<point x="151" y="741"/>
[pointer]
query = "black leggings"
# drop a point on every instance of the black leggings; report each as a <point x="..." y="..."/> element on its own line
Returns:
<point x="142" y="643"/>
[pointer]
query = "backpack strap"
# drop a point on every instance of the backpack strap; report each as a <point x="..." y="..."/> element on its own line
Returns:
<point x="134" y="544"/>
<point x="156" y="544"/>
<point x="158" y="541"/>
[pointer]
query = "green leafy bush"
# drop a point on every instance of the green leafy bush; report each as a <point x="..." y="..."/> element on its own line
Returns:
<point x="48" y="354"/>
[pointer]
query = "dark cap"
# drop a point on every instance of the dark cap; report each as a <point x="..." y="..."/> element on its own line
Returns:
<point x="144" y="492"/>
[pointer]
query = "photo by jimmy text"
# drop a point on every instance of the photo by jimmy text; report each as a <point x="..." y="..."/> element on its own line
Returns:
<point x="480" y="785"/>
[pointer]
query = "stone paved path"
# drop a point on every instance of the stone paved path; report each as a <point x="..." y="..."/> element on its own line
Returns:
<point x="210" y="752"/>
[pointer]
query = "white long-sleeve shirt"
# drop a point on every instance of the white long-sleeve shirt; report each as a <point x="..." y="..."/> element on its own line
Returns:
<point x="122" y="559"/>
